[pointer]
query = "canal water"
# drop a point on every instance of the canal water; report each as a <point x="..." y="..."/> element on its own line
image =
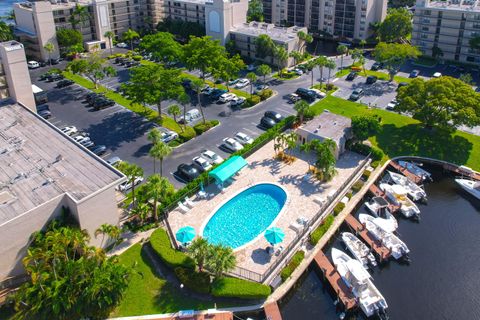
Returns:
<point x="442" y="280"/>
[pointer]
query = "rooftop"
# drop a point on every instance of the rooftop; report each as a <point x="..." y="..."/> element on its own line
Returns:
<point x="328" y="125"/>
<point x="461" y="5"/>
<point x="38" y="163"/>
<point x="280" y="34"/>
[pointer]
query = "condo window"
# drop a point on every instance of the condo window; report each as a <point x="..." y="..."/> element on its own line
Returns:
<point x="427" y="12"/>
<point x="425" y="28"/>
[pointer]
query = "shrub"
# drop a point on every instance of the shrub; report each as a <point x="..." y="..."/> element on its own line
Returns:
<point x="364" y="149"/>
<point x="338" y="208"/>
<point x="349" y="194"/>
<point x="202" y="127"/>
<point x="174" y="143"/>
<point x="329" y="86"/>
<point x="318" y="233"/>
<point x="238" y="288"/>
<point x="292" y="265"/>
<point x="309" y="114"/>
<point x="137" y="57"/>
<point x="196" y="281"/>
<point x="375" y="163"/>
<point x="265" y="94"/>
<point x="160" y="243"/>
<point x="366" y="174"/>
<point x="186" y="135"/>
<point x="357" y="186"/>
<point x="253" y="100"/>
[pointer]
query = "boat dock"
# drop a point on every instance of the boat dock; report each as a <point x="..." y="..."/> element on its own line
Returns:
<point x="329" y="271"/>
<point x="377" y="192"/>
<point x="272" y="312"/>
<point x="382" y="252"/>
<point x="406" y="173"/>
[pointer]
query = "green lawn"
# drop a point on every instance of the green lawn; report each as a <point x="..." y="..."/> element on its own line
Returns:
<point x="402" y="135"/>
<point x="380" y="75"/>
<point x="149" y="294"/>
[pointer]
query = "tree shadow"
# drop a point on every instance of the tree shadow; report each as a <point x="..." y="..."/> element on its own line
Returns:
<point x="413" y="139"/>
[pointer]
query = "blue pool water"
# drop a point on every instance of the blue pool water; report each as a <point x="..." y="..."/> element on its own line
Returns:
<point x="245" y="216"/>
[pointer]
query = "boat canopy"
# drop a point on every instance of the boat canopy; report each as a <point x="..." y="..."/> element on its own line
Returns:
<point x="227" y="169"/>
<point x="381" y="202"/>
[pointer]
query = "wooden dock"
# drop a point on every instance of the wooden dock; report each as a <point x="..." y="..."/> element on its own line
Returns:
<point x="406" y="173"/>
<point x="335" y="280"/>
<point x="377" y="192"/>
<point x="272" y="312"/>
<point x="381" y="251"/>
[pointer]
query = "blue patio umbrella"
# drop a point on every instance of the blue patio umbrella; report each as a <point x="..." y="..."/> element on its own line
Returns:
<point x="274" y="235"/>
<point x="185" y="234"/>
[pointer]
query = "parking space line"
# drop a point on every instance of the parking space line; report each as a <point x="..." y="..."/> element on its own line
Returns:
<point x="105" y="155"/>
<point x="251" y="131"/>
<point x="286" y="111"/>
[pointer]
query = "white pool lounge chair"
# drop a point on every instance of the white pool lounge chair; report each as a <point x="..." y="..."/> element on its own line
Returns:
<point x="189" y="202"/>
<point x="182" y="207"/>
<point x="302" y="220"/>
<point x="297" y="227"/>
<point x="201" y="194"/>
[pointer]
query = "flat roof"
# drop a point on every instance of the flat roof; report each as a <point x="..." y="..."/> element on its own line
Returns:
<point x="328" y="125"/>
<point x="280" y="34"/>
<point x="454" y="5"/>
<point x="39" y="163"/>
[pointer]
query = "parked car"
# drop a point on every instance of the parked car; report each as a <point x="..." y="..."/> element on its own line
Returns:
<point x="392" y="104"/>
<point x="103" y="103"/>
<point x="88" y="144"/>
<point x="45" y="114"/>
<point x="226" y="97"/>
<point x="259" y="88"/>
<point x="54" y="61"/>
<point x="80" y="138"/>
<point x="437" y="75"/>
<point x="275" y="116"/>
<point x="33" y="64"/>
<point x="190" y="116"/>
<point x="351" y="76"/>
<point x="122" y="45"/>
<point x="202" y="164"/>
<point x="377" y="66"/>
<point x="232" y="144"/>
<point x="168" y="135"/>
<point x="414" y="73"/>
<point x="233" y="82"/>
<point x="64" y="83"/>
<point x="211" y="156"/>
<point x="127" y="185"/>
<point x="267" y="122"/>
<point x="54" y="77"/>
<point x="318" y="93"/>
<point x="69" y="130"/>
<point x="44" y="76"/>
<point x="293" y="97"/>
<point x="114" y="161"/>
<point x="371" y="80"/>
<point x="216" y="93"/>
<point x="242" y="83"/>
<point x="243" y="138"/>
<point x="43" y="107"/>
<point x="356" y="94"/>
<point x="306" y="94"/>
<point x="99" y="150"/>
<point x="297" y="71"/>
<point x="187" y="172"/>
<point x="237" y="101"/>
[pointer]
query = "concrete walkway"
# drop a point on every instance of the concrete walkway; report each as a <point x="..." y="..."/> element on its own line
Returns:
<point x="129" y="239"/>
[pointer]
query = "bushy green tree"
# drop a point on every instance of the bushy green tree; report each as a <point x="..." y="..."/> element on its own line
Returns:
<point x="129" y="36"/>
<point x="131" y="171"/>
<point x="159" y="151"/>
<point x="68" y="37"/>
<point x="301" y="107"/>
<point x="200" y="251"/>
<point x="6" y="32"/>
<point x="255" y="11"/>
<point x="264" y="70"/>
<point x="94" y="67"/>
<point x="397" y="26"/>
<point x="326" y="160"/>
<point x="264" y="46"/>
<point x="393" y="55"/>
<point x="182" y="29"/>
<point x="364" y="127"/>
<point x="204" y="54"/>
<point x="162" y="46"/>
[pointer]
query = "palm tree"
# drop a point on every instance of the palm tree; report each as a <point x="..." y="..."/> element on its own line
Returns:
<point x="221" y="260"/>
<point x="197" y="86"/>
<point x="281" y="55"/>
<point x="79" y="16"/>
<point x="184" y="99"/>
<point x="140" y="211"/>
<point x="158" y="188"/>
<point x="307" y="147"/>
<point x="321" y="62"/>
<point x="330" y="66"/>
<point x="297" y="56"/>
<point x="310" y="65"/>
<point x="49" y="47"/>
<point x="252" y="77"/>
<point x="132" y="171"/>
<point x="363" y="42"/>
<point x="104" y="230"/>
<point x="342" y="49"/>
<point x="159" y="151"/>
<point x="263" y="70"/>
<point x="291" y="141"/>
<point x="174" y="111"/>
<point x="110" y="35"/>
<point x="301" y="107"/>
<point x="129" y="36"/>
<point x="304" y="39"/>
<point x="199" y="250"/>
<point x="326" y="159"/>
<point x="154" y="135"/>
<point x="356" y="55"/>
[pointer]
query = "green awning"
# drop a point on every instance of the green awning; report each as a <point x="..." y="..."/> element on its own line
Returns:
<point x="227" y="169"/>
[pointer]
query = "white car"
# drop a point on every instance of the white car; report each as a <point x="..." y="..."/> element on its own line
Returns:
<point x="113" y="161"/>
<point x="202" y="163"/>
<point x="437" y="75"/>
<point x="81" y="138"/>
<point x="298" y="71"/>
<point x="122" y="45"/>
<point x="211" y="156"/>
<point x="70" y="130"/>
<point x="33" y="64"/>
<point x="167" y="136"/>
<point x="232" y="144"/>
<point x="242" y="83"/>
<point x="226" y="97"/>
<point x="237" y="101"/>
<point x="128" y="185"/>
<point x="251" y="67"/>
<point x="318" y="93"/>
<point x="243" y="138"/>
<point x="392" y="104"/>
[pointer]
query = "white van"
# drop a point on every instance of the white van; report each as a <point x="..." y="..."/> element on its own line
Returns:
<point x="33" y="64"/>
<point x="191" y="115"/>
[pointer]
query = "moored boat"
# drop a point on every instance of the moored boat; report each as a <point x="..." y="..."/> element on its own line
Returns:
<point x="389" y="225"/>
<point x="397" y="194"/>
<point x="358" y="249"/>
<point x="471" y="186"/>
<point x="416" y="170"/>
<point x="398" y="249"/>
<point x="378" y="206"/>
<point x="415" y="192"/>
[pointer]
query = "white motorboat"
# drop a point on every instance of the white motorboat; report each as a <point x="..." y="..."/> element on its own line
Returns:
<point x="416" y="170"/>
<point x="415" y="192"/>
<point x="397" y="194"/>
<point x="397" y="247"/>
<point x="358" y="279"/>
<point x="471" y="186"/>
<point x="378" y="206"/>
<point x="389" y="225"/>
<point x="358" y="249"/>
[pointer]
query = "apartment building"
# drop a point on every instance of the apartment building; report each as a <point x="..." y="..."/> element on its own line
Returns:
<point x="446" y="27"/>
<point x="186" y="10"/>
<point x="341" y="19"/>
<point x="37" y="22"/>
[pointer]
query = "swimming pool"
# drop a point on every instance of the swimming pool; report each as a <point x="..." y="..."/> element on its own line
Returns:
<point x="246" y="215"/>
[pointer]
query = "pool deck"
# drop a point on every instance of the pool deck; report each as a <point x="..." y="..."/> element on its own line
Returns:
<point x="304" y="198"/>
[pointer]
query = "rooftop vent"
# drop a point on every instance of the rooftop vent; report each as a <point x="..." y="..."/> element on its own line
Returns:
<point x="6" y="197"/>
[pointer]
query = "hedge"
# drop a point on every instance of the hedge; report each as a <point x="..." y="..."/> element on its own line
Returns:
<point x="160" y="243"/>
<point x="357" y="186"/>
<point x="318" y="233"/>
<point x="196" y="281"/>
<point x="238" y="288"/>
<point x="265" y="94"/>
<point x="292" y="265"/>
<point x="338" y="208"/>
<point x="364" y="149"/>
<point x="251" y="101"/>
<point x="202" y="127"/>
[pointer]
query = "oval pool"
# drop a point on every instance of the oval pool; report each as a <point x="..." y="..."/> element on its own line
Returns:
<point x="246" y="215"/>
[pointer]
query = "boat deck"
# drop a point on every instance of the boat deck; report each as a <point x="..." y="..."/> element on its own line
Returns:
<point x="272" y="311"/>
<point x="406" y="172"/>
<point x="376" y="191"/>
<point x="343" y="292"/>
<point x="359" y="229"/>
